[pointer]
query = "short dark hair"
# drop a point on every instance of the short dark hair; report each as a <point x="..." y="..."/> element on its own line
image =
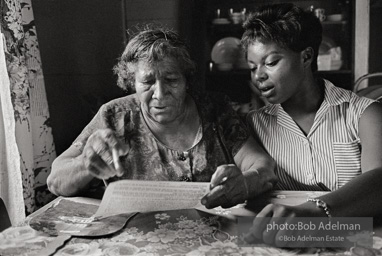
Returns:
<point x="153" y="43"/>
<point x="287" y="25"/>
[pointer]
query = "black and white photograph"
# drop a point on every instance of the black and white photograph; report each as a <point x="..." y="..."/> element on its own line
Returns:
<point x="191" y="127"/>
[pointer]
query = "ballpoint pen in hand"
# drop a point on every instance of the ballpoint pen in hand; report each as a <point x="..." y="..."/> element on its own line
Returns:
<point x="117" y="165"/>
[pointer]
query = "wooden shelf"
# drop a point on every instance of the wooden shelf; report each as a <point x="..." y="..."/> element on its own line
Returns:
<point x="341" y="22"/>
<point x="341" y="32"/>
<point x="247" y="72"/>
<point x="230" y="72"/>
<point x="345" y="71"/>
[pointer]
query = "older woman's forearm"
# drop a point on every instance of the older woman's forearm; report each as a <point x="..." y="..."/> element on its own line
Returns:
<point x="259" y="180"/>
<point x="68" y="177"/>
<point x="257" y="167"/>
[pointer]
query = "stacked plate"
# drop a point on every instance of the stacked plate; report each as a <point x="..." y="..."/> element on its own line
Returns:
<point x="227" y="54"/>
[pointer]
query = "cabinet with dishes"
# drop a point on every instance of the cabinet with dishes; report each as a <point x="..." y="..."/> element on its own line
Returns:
<point x="226" y="68"/>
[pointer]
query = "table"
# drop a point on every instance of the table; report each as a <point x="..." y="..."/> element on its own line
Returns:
<point x="177" y="232"/>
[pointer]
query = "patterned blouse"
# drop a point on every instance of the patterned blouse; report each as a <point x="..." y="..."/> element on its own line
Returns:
<point x="220" y="137"/>
<point x="329" y="156"/>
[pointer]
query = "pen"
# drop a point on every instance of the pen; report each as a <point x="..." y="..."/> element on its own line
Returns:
<point x="116" y="162"/>
<point x="116" y="165"/>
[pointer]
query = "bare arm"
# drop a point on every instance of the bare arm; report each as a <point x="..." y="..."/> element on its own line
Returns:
<point x="69" y="176"/>
<point x="370" y="128"/>
<point x="257" y="167"/>
<point x="361" y="196"/>
<point x="252" y="174"/>
<point x="73" y="170"/>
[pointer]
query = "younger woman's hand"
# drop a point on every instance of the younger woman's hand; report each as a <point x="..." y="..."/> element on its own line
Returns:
<point x="101" y="154"/>
<point x="279" y="214"/>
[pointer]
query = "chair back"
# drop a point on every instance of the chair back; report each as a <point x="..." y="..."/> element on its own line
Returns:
<point x="373" y="92"/>
<point x="5" y="222"/>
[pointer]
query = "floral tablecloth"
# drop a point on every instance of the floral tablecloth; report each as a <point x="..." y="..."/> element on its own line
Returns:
<point x="162" y="233"/>
<point x="178" y="232"/>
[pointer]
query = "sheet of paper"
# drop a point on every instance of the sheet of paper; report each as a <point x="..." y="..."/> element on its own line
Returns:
<point x="145" y="196"/>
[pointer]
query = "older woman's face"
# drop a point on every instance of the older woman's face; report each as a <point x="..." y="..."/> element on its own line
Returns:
<point x="161" y="88"/>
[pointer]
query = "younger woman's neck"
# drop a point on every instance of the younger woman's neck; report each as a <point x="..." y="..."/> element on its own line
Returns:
<point x="308" y="100"/>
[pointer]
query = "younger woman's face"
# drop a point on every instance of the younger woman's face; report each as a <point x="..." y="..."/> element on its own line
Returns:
<point x="277" y="72"/>
<point x="161" y="89"/>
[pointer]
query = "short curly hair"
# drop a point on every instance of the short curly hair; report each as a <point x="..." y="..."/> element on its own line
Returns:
<point x="285" y="24"/>
<point x="153" y="44"/>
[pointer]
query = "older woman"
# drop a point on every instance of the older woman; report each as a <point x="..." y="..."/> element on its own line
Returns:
<point x="164" y="132"/>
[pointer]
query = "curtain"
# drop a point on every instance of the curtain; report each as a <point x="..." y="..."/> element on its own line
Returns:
<point x="11" y="190"/>
<point x="33" y="132"/>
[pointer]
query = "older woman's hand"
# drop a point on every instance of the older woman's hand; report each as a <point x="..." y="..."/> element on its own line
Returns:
<point x="228" y="187"/>
<point x="101" y="154"/>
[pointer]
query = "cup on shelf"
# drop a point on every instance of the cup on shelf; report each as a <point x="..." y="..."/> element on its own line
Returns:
<point x="237" y="17"/>
<point x="320" y="14"/>
<point x="217" y="13"/>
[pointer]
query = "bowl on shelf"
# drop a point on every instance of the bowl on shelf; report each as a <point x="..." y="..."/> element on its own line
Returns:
<point x="334" y="17"/>
<point x="224" y="66"/>
<point x="237" y="17"/>
<point x="220" y="21"/>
